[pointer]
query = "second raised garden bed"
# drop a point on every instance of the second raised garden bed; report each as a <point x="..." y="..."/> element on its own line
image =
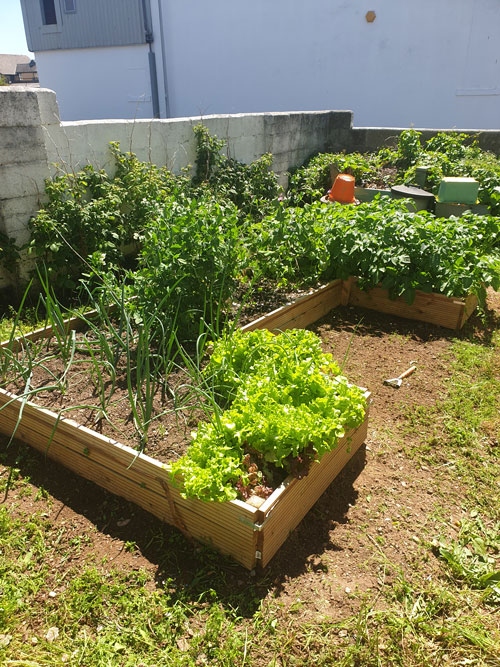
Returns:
<point x="444" y="311"/>
<point x="448" y="312"/>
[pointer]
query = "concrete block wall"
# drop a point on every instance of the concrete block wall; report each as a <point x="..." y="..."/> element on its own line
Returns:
<point x="366" y="139"/>
<point x="24" y="115"/>
<point x="34" y="145"/>
<point x="290" y="137"/>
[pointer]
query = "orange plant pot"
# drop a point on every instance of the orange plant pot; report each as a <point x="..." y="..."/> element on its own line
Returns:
<point x="343" y="189"/>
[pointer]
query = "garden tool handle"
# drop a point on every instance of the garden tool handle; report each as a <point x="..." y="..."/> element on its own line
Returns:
<point x="410" y="370"/>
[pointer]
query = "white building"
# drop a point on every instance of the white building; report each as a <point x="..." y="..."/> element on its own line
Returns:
<point x="393" y="62"/>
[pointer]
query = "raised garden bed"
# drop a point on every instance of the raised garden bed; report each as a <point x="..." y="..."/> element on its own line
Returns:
<point x="448" y="312"/>
<point x="444" y="311"/>
<point x="251" y="535"/>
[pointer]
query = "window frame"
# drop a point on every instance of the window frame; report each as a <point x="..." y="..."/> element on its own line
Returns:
<point x="48" y="28"/>
<point x="69" y="11"/>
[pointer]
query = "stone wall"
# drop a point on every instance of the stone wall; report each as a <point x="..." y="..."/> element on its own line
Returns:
<point x="24" y="116"/>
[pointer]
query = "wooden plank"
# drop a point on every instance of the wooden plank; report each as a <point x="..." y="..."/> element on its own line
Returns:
<point x="225" y="536"/>
<point x="302" y="312"/>
<point x="230" y="527"/>
<point x="140" y="467"/>
<point x="76" y="323"/>
<point x="433" y="308"/>
<point x="296" y="497"/>
<point x="163" y="501"/>
<point x="470" y="306"/>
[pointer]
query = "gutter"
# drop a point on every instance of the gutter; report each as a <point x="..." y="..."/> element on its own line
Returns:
<point x="163" y="58"/>
<point x="152" y="62"/>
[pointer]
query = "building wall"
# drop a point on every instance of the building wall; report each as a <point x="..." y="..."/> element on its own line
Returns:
<point x="426" y="63"/>
<point x="95" y="83"/>
<point x="94" y="23"/>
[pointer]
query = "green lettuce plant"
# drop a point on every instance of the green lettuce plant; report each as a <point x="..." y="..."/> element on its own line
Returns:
<point x="287" y="404"/>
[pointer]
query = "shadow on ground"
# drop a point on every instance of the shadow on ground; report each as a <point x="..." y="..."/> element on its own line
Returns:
<point x="183" y="565"/>
<point x="480" y="328"/>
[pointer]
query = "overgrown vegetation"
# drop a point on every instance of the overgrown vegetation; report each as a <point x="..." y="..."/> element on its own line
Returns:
<point x="309" y="183"/>
<point x="379" y="242"/>
<point x="191" y="251"/>
<point x="446" y="154"/>
<point x="162" y="225"/>
<point x="252" y="188"/>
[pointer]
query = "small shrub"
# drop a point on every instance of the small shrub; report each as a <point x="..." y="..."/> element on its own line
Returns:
<point x="309" y="183"/>
<point x="252" y="188"/>
<point x="90" y="217"/>
<point x="409" y="148"/>
<point x="191" y="250"/>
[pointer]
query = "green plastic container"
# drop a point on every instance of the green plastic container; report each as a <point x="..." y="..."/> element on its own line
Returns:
<point x="458" y="190"/>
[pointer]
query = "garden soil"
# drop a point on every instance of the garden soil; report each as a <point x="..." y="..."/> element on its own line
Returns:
<point x="365" y="528"/>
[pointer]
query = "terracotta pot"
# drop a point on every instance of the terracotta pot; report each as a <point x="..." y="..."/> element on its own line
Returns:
<point x="343" y="189"/>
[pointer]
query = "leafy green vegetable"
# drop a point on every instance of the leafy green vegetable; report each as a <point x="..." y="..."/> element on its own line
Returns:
<point x="286" y="398"/>
<point x="379" y="242"/>
<point x="191" y="251"/>
<point x="90" y="217"/>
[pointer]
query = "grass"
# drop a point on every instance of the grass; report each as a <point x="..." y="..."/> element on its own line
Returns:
<point x="100" y="618"/>
<point x="29" y="322"/>
<point x="420" y="626"/>
<point x="462" y="431"/>
<point x="62" y="604"/>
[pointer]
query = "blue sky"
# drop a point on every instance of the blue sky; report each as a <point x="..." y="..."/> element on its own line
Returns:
<point x="12" y="37"/>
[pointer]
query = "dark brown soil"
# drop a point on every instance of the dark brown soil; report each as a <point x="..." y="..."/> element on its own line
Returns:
<point x="383" y="179"/>
<point x="168" y="435"/>
<point x="174" y="418"/>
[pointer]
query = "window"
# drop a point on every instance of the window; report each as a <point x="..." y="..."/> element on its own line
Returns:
<point x="49" y="16"/>
<point x="70" y="6"/>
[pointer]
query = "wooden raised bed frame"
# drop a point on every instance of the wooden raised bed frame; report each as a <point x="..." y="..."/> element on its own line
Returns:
<point x="448" y="312"/>
<point x="250" y="535"/>
<point x="444" y="311"/>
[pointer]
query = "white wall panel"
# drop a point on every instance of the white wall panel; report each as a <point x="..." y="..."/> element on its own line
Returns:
<point x="426" y="63"/>
<point x="98" y="83"/>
